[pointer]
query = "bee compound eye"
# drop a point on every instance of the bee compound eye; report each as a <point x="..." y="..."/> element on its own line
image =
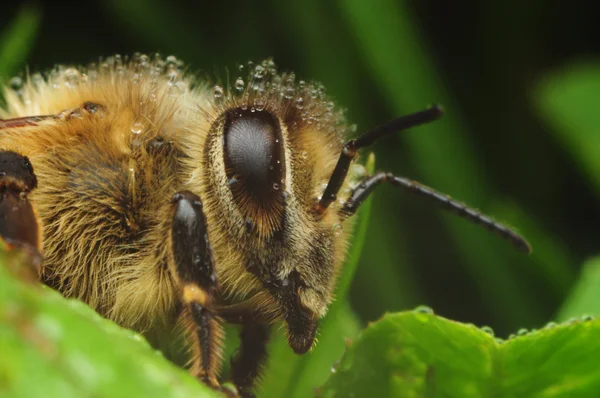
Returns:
<point x="254" y="156"/>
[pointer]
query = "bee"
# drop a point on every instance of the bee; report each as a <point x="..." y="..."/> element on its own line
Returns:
<point x="167" y="203"/>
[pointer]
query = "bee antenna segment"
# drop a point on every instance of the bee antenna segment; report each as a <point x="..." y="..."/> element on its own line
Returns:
<point x="351" y="148"/>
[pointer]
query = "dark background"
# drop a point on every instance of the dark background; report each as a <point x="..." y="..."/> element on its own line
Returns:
<point x="496" y="149"/>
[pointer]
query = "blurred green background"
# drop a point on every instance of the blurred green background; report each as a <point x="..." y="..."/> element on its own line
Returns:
<point x="520" y="84"/>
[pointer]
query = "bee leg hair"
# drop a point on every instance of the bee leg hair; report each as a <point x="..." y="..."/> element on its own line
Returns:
<point x="194" y="269"/>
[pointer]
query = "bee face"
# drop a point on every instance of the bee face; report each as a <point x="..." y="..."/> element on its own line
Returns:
<point x="269" y="151"/>
<point x="165" y="201"/>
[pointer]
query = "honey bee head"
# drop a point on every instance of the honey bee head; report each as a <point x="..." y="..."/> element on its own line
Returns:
<point x="271" y="147"/>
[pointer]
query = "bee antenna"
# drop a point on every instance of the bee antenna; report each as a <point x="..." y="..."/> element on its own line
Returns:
<point x="351" y="148"/>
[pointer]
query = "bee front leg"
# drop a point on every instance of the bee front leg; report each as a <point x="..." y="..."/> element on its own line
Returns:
<point x="194" y="270"/>
<point x="247" y="363"/>
<point x="19" y="225"/>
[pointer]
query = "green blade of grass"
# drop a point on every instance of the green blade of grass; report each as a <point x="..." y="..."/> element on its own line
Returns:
<point x="16" y="40"/>
<point x="585" y="296"/>
<point x="394" y="51"/>
<point x="567" y="101"/>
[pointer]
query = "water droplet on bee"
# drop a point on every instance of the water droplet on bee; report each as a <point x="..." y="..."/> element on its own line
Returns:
<point x="232" y="181"/>
<point x="239" y="84"/>
<point x="304" y="154"/>
<point x="71" y="76"/>
<point x="217" y="92"/>
<point x="299" y="102"/>
<point x="16" y="83"/>
<point x="337" y="229"/>
<point x="137" y="128"/>
<point x="275" y="186"/>
<point x="259" y="105"/>
<point x="259" y="72"/>
<point x="37" y="80"/>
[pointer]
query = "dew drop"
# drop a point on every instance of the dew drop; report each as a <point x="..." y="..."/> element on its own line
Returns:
<point x="586" y="318"/>
<point x="550" y="325"/>
<point x="217" y="92"/>
<point x="71" y="76"/>
<point x="288" y="93"/>
<point x="239" y="84"/>
<point x="16" y="83"/>
<point x="304" y="155"/>
<point x="259" y="104"/>
<point x="423" y="309"/>
<point x="37" y="80"/>
<point x="337" y="229"/>
<point x="299" y="103"/>
<point x="522" y="332"/>
<point x="488" y="330"/>
<point x="137" y="128"/>
<point x="259" y="72"/>
<point x="275" y="186"/>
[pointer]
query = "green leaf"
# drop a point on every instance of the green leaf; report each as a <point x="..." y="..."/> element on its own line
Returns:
<point x="416" y="354"/>
<point x="567" y="101"/>
<point x="17" y="39"/>
<point x="54" y="347"/>
<point x="585" y="296"/>
<point x="290" y="375"/>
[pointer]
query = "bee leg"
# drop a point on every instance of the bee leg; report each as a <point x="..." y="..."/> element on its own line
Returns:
<point x="19" y="226"/>
<point x="364" y="189"/>
<point x="247" y="363"/>
<point x="193" y="261"/>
